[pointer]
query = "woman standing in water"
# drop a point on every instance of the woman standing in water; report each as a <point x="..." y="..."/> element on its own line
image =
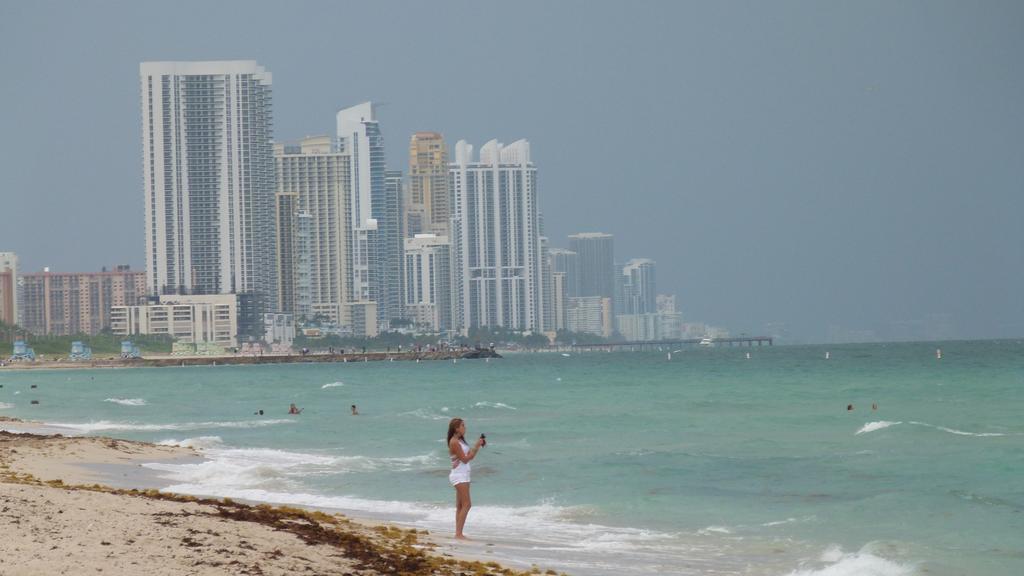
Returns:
<point x="461" y="455"/>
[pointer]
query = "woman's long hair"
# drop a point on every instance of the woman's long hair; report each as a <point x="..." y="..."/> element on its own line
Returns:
<point x="453" y="427"/>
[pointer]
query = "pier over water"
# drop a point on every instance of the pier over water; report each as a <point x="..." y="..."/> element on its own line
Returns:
<point x="661" y="345"/>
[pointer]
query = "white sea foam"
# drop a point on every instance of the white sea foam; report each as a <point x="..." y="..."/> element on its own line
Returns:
<point x="104" y="425"/>
<point x="500" y="405"/>
<point x="199" y="443"/>
<point x="332" y="385"/>
<point x="835" y="562"/>
<point x="425" y="414"/>
<point x="5" y="405"/>
<point x="958" y="432"/>
<point x="781" y="522"/>
<point x="127" y="401"/>
<point x="275" y="476"/>
<point x="272" y="475"/>
<point x="715" y="530"/>
<point x="879" y="425"/>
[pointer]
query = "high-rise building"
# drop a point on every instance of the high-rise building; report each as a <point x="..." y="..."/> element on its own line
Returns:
<point x="669" y="317"/>
<point x="428" y="282"/>
<point x="392" y="240"/>
<point x="639" y="291"/>
<point x="62" y="304"/>
<point x="208" y="175"/>
<point x="285" y="215"/>
<point x="638" y="316"/>
<point x="596" y="253"/>
<point x="314" y="228"/>
<point x="567" y="262"/>
<point x="547" y="288"/>
<point x="426" y="205"/>
<point x="375" y="241"/>
<point x="496" y="251"/>
<point x="589" y="315"/>
<point x="559" y="301"/>
<point x="9" y="292"/>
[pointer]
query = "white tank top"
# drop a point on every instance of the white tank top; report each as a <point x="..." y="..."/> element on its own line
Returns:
<point x="455" y="460"/>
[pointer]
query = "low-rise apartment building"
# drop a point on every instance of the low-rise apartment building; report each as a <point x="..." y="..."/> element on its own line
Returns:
<point x="192" y="319"/>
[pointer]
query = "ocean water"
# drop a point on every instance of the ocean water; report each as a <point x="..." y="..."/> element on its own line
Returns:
<point x="615" y="463"/>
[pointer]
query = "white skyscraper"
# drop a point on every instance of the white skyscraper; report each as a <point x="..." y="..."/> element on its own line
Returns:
<point x="208" y="174"/>
<point x="496" y="247"/>
<point x="375" y="247"/>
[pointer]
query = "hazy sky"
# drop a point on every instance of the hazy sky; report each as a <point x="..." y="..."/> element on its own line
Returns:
<point x="853" y="165"/>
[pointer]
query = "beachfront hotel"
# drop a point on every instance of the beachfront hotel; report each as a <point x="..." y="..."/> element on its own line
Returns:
<point x="495" y="239"/>
<point x="375" y="231"/>
<point x="313" y="228"/>
<point x="189" y="319"/>
<point x="208" y="176"/>
<point x="426" y="201"/>
<point x="66" y="303"/>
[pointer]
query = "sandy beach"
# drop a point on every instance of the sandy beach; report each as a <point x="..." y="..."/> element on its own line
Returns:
<point x="63" y="515"/>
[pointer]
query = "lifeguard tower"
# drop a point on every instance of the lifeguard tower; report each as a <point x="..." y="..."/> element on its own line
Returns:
<point x="23" y="352"/>
<point x="79" y="351"/>
<point x="129" y="350"/>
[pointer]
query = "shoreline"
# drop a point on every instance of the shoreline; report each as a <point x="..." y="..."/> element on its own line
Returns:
<point x="248" y="360"/>
<point x="67" y="488"/>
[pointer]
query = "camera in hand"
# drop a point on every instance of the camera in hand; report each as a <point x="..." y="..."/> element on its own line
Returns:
<point x="484" y="438"/>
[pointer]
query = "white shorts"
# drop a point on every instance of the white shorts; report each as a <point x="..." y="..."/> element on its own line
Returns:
<point x="459" y="475"/>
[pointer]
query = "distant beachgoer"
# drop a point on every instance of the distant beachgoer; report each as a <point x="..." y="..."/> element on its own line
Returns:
<point x="293" y="410"/>
<point x="874" y="406"/>
<point x="849" y="407"/>
<point x="461" y="455"/>
<point x="354" y="411"/>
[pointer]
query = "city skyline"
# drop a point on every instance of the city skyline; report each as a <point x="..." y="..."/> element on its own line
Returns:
<point x="858" y="193"/>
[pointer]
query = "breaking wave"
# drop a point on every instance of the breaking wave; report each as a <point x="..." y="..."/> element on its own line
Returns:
<point x="105" y="425"/>
<point x="835" y="562"/>
<point x="127" y="401"/>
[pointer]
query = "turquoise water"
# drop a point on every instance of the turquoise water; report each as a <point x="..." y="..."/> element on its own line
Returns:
<point x="612" y="463"/>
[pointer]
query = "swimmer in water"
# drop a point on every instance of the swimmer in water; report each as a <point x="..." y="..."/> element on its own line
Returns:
<point x="354" y="411"/>
<point x="293" y="410"/>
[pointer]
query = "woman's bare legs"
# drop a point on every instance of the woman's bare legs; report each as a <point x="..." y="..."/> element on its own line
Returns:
<point x="462" y="506"/>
